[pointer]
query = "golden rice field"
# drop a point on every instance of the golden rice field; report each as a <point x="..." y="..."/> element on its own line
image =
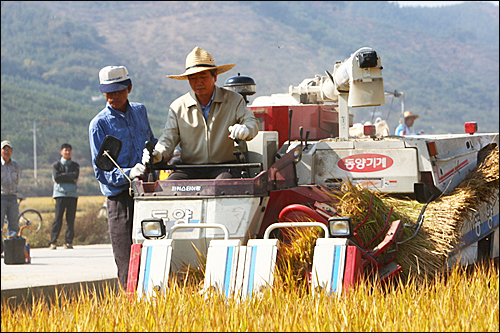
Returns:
<point x="459" y="302"/>
<point x="422" y="299"/>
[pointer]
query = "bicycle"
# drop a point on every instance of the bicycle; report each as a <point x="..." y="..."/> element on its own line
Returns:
<point x="103" y="211"/>
<point x="28" y="219"/>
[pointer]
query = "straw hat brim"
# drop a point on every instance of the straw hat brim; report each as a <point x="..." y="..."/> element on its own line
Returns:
<point x="408" y="114"/>
<point x="184" y="76"/>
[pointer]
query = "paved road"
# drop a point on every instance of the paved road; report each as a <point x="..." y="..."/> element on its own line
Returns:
<point x="87" y="264"/>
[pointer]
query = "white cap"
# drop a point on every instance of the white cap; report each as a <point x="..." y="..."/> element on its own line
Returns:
<point x="113" y="78"/>
<point x="6" y="143"/>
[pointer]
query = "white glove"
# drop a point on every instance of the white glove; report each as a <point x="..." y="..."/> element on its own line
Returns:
<point x="138" y="171"/>
<point x="146" y="158"/>
<point x="238" y="131"/>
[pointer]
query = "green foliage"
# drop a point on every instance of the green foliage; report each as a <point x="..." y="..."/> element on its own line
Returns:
<point x="57" y="121"/>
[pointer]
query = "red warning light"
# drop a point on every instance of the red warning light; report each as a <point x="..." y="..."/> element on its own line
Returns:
<point x="471" y="127"/>
<point x="369" y="130"/>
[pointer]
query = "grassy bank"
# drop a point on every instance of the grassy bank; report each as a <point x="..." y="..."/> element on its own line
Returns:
<point x="89" y="227"/>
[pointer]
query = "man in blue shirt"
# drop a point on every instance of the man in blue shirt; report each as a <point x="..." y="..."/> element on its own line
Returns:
<point x="128" y="122"/>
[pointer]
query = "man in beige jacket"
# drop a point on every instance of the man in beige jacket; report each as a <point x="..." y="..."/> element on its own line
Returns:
<point x="205" y="122"/>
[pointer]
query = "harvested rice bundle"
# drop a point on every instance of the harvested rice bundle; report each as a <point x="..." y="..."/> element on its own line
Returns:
<point x="375" y="212"/>
<point x="452" y="210"/>
<point x="424" y="254"/>
<point x="416" y="252"/>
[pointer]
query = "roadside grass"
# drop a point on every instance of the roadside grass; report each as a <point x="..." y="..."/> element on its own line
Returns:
<point x="89" y="227"/>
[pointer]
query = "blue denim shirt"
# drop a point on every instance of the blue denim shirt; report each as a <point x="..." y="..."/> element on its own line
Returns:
<point x="206" y="109"/>
<point x="133" y="130"/>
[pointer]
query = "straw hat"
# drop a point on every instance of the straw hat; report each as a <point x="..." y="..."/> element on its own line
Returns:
<point x="408" y="114"/>
<point x="199" y="60"/>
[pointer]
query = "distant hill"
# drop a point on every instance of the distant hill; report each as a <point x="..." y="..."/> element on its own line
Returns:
<point x="445" y="59"/>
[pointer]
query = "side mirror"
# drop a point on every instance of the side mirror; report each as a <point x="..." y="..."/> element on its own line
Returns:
<point x="112" y="146"/>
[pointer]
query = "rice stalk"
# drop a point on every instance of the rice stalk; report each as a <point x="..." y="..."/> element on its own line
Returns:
<point x="294" y="260"/>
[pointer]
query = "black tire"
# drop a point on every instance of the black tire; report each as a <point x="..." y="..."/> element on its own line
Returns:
<point x="30" y="217"/>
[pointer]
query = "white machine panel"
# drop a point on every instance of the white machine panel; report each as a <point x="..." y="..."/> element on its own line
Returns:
<point x="262" y="149"/>
<point x="329" y="264"/>
<point x="390" y="170"/>
<point x="155" y="267"/>
<point x="260" y="261"/>
<point x="222" y="265"/>
<point x="242" y="216"/>
<point x="484" y="222"/>
<point x="171" y="212"/>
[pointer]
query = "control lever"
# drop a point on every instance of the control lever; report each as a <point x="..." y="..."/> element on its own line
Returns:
<point x="241" y="159"/>
<point x="290" y="111"/>
<point x="301" y="131"/>
<point x="307" y="137"/>
<point x="241" y="154"/>
<point x="237" y="142"/>
<point x="150" y="147"/>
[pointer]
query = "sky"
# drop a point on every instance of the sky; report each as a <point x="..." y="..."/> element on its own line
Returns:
<point x="435" y="3"/>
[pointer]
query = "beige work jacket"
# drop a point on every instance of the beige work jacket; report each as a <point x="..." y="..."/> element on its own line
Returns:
<point x="205" y="142"/>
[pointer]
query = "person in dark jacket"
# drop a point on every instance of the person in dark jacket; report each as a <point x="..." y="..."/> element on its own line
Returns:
<point x="65" y="174"/>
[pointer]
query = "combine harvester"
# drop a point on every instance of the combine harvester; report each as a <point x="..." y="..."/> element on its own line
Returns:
<point x="236" y="223"/>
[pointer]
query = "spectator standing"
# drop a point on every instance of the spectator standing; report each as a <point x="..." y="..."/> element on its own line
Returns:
<point x="406" y="123"/>
<point x="127" y="121"/>
<point x="65" y="174"/>
<point x="11" y="172"/>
